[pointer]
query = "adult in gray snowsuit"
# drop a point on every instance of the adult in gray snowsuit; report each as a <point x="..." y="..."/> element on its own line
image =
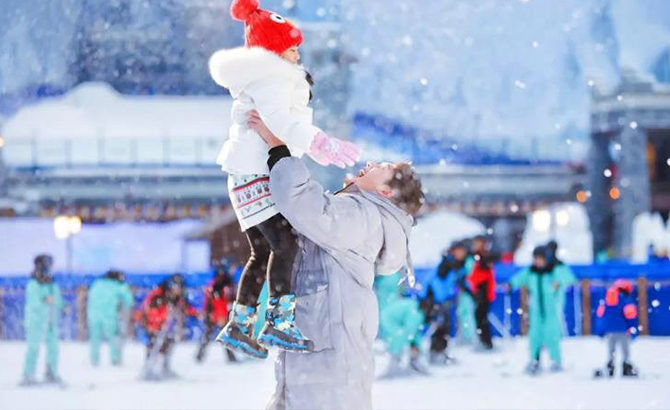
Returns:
<point x="345" y="238"/>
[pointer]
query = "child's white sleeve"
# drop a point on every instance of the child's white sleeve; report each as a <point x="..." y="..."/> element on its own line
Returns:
<point x="273" y="102"/>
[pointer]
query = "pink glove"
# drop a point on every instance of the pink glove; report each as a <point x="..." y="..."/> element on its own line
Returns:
<point x="327" y="150"/>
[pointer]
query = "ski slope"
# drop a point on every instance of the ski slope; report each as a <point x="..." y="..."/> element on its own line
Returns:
<point x="479" y="380"/>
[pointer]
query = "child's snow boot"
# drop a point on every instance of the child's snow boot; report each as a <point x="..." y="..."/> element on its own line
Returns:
<point x="629" y="370"/>
<point x="280" y="329"/>
<point x="610" y="368"/>
<point x="237" y="334"/>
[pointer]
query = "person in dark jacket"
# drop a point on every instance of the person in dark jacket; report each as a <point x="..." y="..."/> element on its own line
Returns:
<point x="618" y="320"/>
<point x="219" y="294"/>
<point x="440" y="297"/>
<point x="482" y="284"/>
<point x="163" y="311"/>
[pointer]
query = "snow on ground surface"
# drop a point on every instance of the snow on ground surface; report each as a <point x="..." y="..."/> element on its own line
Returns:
<point x="479" y="381"/>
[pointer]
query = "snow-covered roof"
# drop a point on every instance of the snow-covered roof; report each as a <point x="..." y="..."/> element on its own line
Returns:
<point x="96" y="110"/>
<point x="435" y="232"/>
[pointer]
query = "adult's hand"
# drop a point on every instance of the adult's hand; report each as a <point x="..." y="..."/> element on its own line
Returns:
<point x="256" y="123"/>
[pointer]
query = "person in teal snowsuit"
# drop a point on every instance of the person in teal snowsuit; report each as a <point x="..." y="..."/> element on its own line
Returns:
<point x="465" y="306"/>
<point x="400" y="319"/>
<point x="107" y="297"/>
<point x="43" y="307"/>
<point x="544" y="287"/>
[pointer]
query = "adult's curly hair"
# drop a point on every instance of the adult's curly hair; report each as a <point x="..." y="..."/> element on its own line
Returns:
<point x="406" y="185"/>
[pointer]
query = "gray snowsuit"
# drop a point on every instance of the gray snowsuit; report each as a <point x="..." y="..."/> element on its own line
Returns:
<point x="344" y="240"/>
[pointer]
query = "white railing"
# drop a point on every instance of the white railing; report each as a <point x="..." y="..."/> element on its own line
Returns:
<point x="32" y="153"/>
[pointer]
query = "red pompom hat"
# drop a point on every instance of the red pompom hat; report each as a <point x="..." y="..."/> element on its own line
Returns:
<point x="263" y="28"/>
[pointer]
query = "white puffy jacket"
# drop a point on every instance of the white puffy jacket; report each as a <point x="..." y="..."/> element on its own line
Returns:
<point x="261" y="80"/>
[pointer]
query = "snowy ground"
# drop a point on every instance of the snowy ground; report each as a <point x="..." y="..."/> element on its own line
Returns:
<point x="479" y="380"/>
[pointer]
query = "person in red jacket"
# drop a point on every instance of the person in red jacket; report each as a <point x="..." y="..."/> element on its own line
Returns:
<point x="219" y="294"/>
<point x="163" y="311"/>
<point x="483" y="286"/>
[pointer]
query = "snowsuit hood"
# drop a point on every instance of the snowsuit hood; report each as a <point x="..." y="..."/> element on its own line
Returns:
<point x="396" y="226"/>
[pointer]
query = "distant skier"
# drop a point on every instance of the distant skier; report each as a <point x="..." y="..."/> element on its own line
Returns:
<point x="545" y="286"/>
<point x="43" y="308"/>
<point x="400" y="320"/>
<point x="218" y="296"/>
<point x="465" y="304"/>
<point x="163" y="311"/>
<point x="107" y="298"/>
<point x="440" y="291"/>
<point x="482" y="284"/>
<point x="617" y="320"/>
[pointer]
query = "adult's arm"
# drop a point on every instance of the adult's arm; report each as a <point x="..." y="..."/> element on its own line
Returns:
<point x="333" y="222"/>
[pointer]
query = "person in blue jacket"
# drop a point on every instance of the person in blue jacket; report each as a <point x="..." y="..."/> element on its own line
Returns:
<point x="439" y="297"/>
<point x="107" y="298"/>
<point x="43" y="307"/>
<point x="618" y="320"/>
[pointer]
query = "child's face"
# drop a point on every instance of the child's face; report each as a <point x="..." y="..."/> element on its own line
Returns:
<point x="292" y="55"/>
<point x="375" y="177"/>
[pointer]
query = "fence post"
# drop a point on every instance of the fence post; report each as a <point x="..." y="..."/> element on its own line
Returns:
<point x="524" y="310"/>
<point x="586" y="307"/>
<point x="643" y="305"/>
<point x="82" y="296"/>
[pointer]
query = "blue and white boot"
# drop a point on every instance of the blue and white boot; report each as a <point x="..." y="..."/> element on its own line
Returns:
<point x="280" y="329"/>
<point x="237" y="334"/>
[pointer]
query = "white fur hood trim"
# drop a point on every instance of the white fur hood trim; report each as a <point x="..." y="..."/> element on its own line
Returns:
<point x="236" y="68"/>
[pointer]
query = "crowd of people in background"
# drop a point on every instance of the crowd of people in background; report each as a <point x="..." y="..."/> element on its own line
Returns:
<point x="454" y="300"/>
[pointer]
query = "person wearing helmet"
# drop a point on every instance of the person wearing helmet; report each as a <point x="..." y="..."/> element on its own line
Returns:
<point x="42" y="311"/>
<point x="618" y="321"/>
<point x="108" y="297"/>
